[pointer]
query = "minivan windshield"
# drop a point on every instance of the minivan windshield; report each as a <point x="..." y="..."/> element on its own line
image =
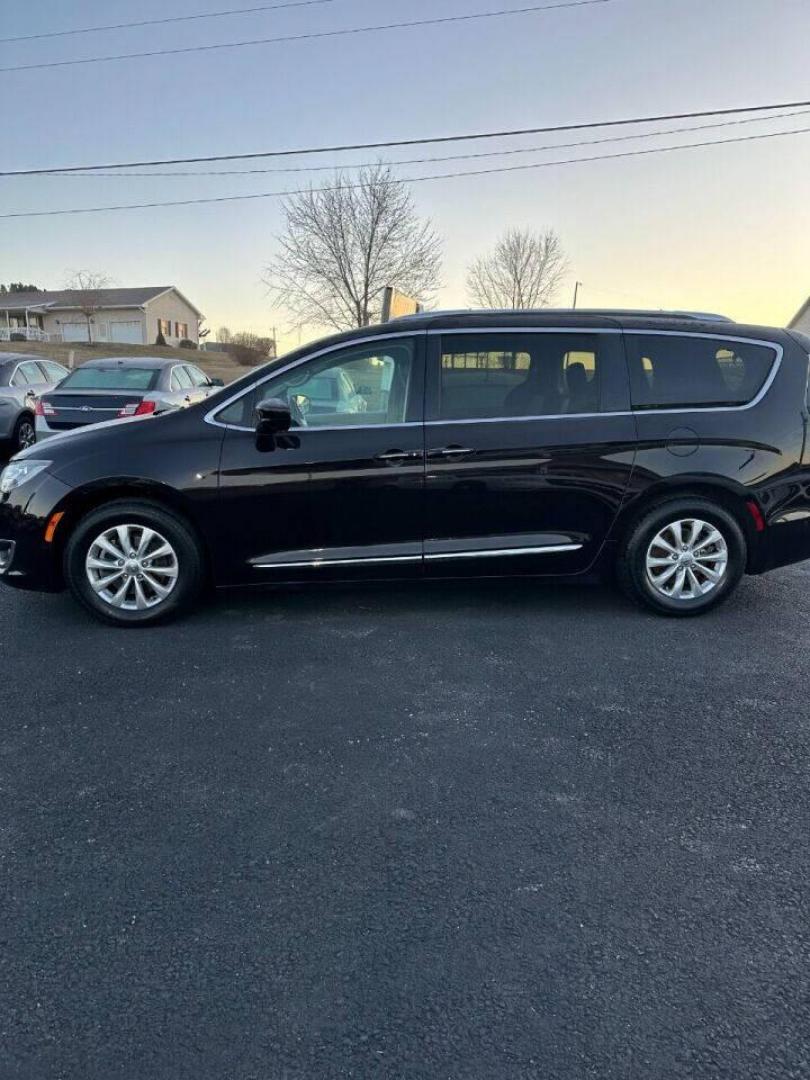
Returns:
<point x="111" y="378"/>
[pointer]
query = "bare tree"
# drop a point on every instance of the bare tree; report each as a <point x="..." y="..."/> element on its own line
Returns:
<point x="224" y="335"/>
<point x="90" y="284"/>
<point x="344" y="243"/>
<point x="524" y="270"/>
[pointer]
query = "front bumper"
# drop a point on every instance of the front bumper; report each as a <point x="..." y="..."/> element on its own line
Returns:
<point x="30" y="562"/>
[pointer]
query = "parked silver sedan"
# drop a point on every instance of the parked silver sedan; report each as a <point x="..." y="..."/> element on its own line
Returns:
<point x="106" y="389"/>
<point x="23" y="378"/>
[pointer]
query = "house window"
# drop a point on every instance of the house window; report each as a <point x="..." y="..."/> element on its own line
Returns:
<point x="181" y="330"/>
<point x="165" y="327"/>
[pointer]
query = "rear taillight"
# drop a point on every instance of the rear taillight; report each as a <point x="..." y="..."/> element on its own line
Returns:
<point x="44" y="408"/>
<point x="141" y="408"/>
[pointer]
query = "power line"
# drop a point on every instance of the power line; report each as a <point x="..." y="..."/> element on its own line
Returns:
<point x="311" y="35"/>
<point x="435" y="139"/>
<point x="162" y="22"/>
<point x="448" y="157"/>
<point x="408" y="180"/>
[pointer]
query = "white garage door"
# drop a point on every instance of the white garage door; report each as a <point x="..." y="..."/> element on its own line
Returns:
<point x="74" y="331"/>
<point x="130" y="332"/>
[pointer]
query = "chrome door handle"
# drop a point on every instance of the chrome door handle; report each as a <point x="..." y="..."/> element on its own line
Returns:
<point x="451" y="452"/>
<point x="396" y="457"/>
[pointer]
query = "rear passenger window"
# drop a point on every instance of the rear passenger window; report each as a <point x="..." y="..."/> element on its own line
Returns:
<point x="28" y="374"/>
<point x="486" y="376"/>
<point x="668" y="371"/>
<point x="55" y="372"/>
<point x="196" y="376"/>
<point x="181" y="380"/>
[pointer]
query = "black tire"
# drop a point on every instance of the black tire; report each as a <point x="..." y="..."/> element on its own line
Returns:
<point x="24" y="433"/>
<point x="631" y="566"/>
<point x="189" y="556"/>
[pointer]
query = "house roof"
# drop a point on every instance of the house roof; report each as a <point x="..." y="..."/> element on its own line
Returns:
<point x="68" y="299"/>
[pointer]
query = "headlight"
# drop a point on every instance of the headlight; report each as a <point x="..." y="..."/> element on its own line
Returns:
<point x="18" y="472"/>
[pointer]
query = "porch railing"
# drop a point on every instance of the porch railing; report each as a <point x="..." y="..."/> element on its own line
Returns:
<point x="26" y="333"/>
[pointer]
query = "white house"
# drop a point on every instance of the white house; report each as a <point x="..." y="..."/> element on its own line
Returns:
<point x="132" y="316"/>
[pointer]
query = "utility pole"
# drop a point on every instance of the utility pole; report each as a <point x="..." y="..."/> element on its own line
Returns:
<point x="577" y="287"/>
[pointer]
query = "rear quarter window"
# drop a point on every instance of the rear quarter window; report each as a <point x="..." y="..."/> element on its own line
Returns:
<point x="669" y="371"/>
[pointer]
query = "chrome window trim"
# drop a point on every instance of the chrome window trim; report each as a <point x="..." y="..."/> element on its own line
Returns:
<point x="778" y="350"/>
<point x="210" y="416"/>
<point x="510" y="330"/>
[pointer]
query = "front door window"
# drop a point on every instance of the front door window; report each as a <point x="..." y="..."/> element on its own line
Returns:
<point x="365" y="385"/>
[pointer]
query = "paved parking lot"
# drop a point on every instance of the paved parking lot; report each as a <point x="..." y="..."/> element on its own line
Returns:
<point x="465" y="831"/>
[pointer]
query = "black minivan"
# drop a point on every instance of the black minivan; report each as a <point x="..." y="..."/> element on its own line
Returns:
<point x="554" y="444"/>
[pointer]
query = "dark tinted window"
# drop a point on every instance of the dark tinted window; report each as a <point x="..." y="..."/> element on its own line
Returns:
<point x="668" y="371"/>
<point x="511" y="375"/>
<point x="111" y="378"/>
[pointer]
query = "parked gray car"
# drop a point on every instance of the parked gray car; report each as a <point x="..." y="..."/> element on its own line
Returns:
<point x="23" y="378"/>
<point x="106" y="389"/>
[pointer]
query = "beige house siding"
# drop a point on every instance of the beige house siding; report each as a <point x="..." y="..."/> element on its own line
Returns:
<point x="122" y="315"/>
<point x="172" y="307"/>
<point x="70" y="323"/>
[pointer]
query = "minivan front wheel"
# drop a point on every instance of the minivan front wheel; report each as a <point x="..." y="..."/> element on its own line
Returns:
<point x="132" y="563"/>
<point x="683" y="556"/>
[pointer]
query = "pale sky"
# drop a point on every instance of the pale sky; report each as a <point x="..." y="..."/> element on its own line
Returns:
<point x="724" y="229"/>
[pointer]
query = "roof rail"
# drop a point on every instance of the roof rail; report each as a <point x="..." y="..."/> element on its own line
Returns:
<point x="698" y="316"/>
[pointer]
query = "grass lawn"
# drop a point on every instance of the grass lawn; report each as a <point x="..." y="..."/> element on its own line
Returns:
<point x="216" y="365"/>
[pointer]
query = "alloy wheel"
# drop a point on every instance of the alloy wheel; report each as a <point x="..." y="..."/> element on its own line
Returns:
<point x="26" y="435"/>
<point x="132" y="567"/>
<point x="687" y="559"/>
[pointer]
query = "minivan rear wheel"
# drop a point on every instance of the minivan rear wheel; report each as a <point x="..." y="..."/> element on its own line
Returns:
<point x="133" y="563"/>
<point x="682" y="557"/>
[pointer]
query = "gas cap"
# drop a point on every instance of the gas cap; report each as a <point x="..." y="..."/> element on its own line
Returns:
<point x="682" y="441"/>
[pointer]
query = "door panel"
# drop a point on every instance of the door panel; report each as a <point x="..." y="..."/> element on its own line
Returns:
<point x="342" y="498"/>
<point x="524" y="494"/>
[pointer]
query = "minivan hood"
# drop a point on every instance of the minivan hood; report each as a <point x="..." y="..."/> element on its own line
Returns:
<point x="43" y="449"/>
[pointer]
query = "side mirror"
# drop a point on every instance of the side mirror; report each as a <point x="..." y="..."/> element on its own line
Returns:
<point x="216" y="382"/>
<point x="273" y="417"/>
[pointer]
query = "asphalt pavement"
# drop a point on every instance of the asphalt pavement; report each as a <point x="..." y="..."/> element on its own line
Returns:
<point x="499" y="830"/>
